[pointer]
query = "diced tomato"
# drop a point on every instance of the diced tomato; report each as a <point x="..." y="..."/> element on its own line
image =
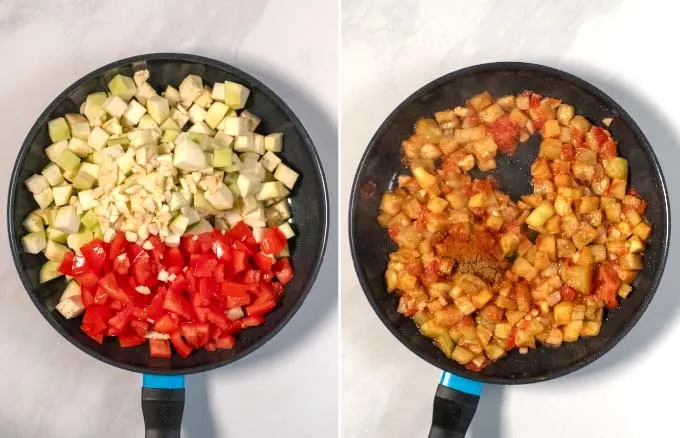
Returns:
<point x="237" y="300"/>
<point x="205" y="267"/>
<point x="568" y="293"/>
<point x="218" y="319"/>
<point x="236" y="294"/>
<point x="241" y="232"/>
<point x="201" y="313"/>
<point x="225" y="342"/>
<point x="263" y="261"/>
<point x="179" y="284"/>
<point x="505" y="133"/>
<point x="73" y="265"/>
<point x="94" y="321"/>
<point x="155" y="309"/>
<point x="210" y="346"/>
<point x="261" y="306"/>
<point x="130" y="340"/>
<point x="534" y="100"/>
<point x="196" y="334"/>
<point x="173" y="257"/>
<point x="176" y="304"/>
<point x="121" y="264"/>
<point x="159" y="348"/>
<point x="182" y="348"/>
<point x="237" y="245"/>
<point x="88" y="279"/>
<point x="205" y="241"/>
<point x="190" y="244"/>
<point x="607" y="284"/>
<point x="142" y="268"/>
<point x="121" y="320"/>
<point x="94" y="253"/>
<point x="208" y="287"/>
<point x="567" y="153"/>
<point x="252" y="276"/>
<point x="110" y="285"/>
<point x="238" y="261"/>
<point x="117" y="246"/>
<point x="607" y="150"/>
<point x="97" y="336"/>
<point x="100" y="297"/>
<point x="600" y="135"/>
<point x="278" y="290"/>
<point x="273" y="241"/>
<point x="576" y="138"/>
<point x="283" y="270"/>
<point x="87" y="296"/>
<point x="116" y="305"/>
<point x="219" y="273"/>
<point x="158" y="248"/>
<point x="221" y="249"/>
<point x="510" y="342"/>
<point x="139" y="327"/>
<point x="140" y="313"/>
<point x="192" y="282"/>
<point x="251" y="321"/>
<point x="165" y="324"/>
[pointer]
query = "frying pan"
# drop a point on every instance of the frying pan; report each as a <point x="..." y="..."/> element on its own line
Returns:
<point x="458" y="393"/>
<point x="163" y="382"/>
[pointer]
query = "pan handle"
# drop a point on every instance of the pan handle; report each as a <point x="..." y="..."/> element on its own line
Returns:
<point x="162" y="405"/>
<point x="455" y="404"/>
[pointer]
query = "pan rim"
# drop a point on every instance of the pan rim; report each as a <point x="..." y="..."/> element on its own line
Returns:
<point x="589" y="88"/>
<point x="200" y="60"/>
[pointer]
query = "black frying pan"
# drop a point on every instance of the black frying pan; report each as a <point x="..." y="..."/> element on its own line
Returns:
<point x="163" y="392"/>
<point x="458" y="393"/>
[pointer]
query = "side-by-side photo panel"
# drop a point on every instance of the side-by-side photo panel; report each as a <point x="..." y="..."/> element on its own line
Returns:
<point x="505" y="186"/>
<point x="171" y="256"/>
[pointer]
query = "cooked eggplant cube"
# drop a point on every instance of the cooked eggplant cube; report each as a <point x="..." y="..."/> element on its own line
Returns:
<point x="58" y="129"/>
<point x="235" y="95"/>
<point x="189" y="156"/>
<point x="158" y="108"/>
<point x="49" y="271"/>
<point x="134" y="112"/>
<point x="34" y="242"/>
<point x="67" y="219"/>
<point x="54" y="150"/>
<point x="190" y="88"/>
<point x="79" y="126"/>
<point x="62" y="194"/>
<point x="221" y="199"/>
<point x="286" y="175"/>
<point x="37" y="183"/>
<point x="123" y="87"/>
<point x="274" y="142"/>
<point x="44" y="198"/>
<point x="270" y="160"/>
<point x="235" y="126"/>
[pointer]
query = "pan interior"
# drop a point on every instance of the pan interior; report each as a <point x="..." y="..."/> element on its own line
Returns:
<point x="381" y="165"/>
<point x="308" y="204"/>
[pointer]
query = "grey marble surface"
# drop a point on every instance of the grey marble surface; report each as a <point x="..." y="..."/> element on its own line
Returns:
<point x="288" y="388"/>
<point x="390" y="49"/>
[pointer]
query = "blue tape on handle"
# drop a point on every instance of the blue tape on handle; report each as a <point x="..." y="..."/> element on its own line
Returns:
<point x="162" y="382"/>
<point x="461" y="384"/>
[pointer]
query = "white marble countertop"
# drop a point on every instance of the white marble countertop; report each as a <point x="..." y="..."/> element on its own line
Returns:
<point x="393" y="47"/>
<point x="287" y="388"/>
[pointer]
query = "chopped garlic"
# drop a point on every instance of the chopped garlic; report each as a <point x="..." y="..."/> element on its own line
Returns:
<point x="163" y="276"/>
<point x="131" y="236"/>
